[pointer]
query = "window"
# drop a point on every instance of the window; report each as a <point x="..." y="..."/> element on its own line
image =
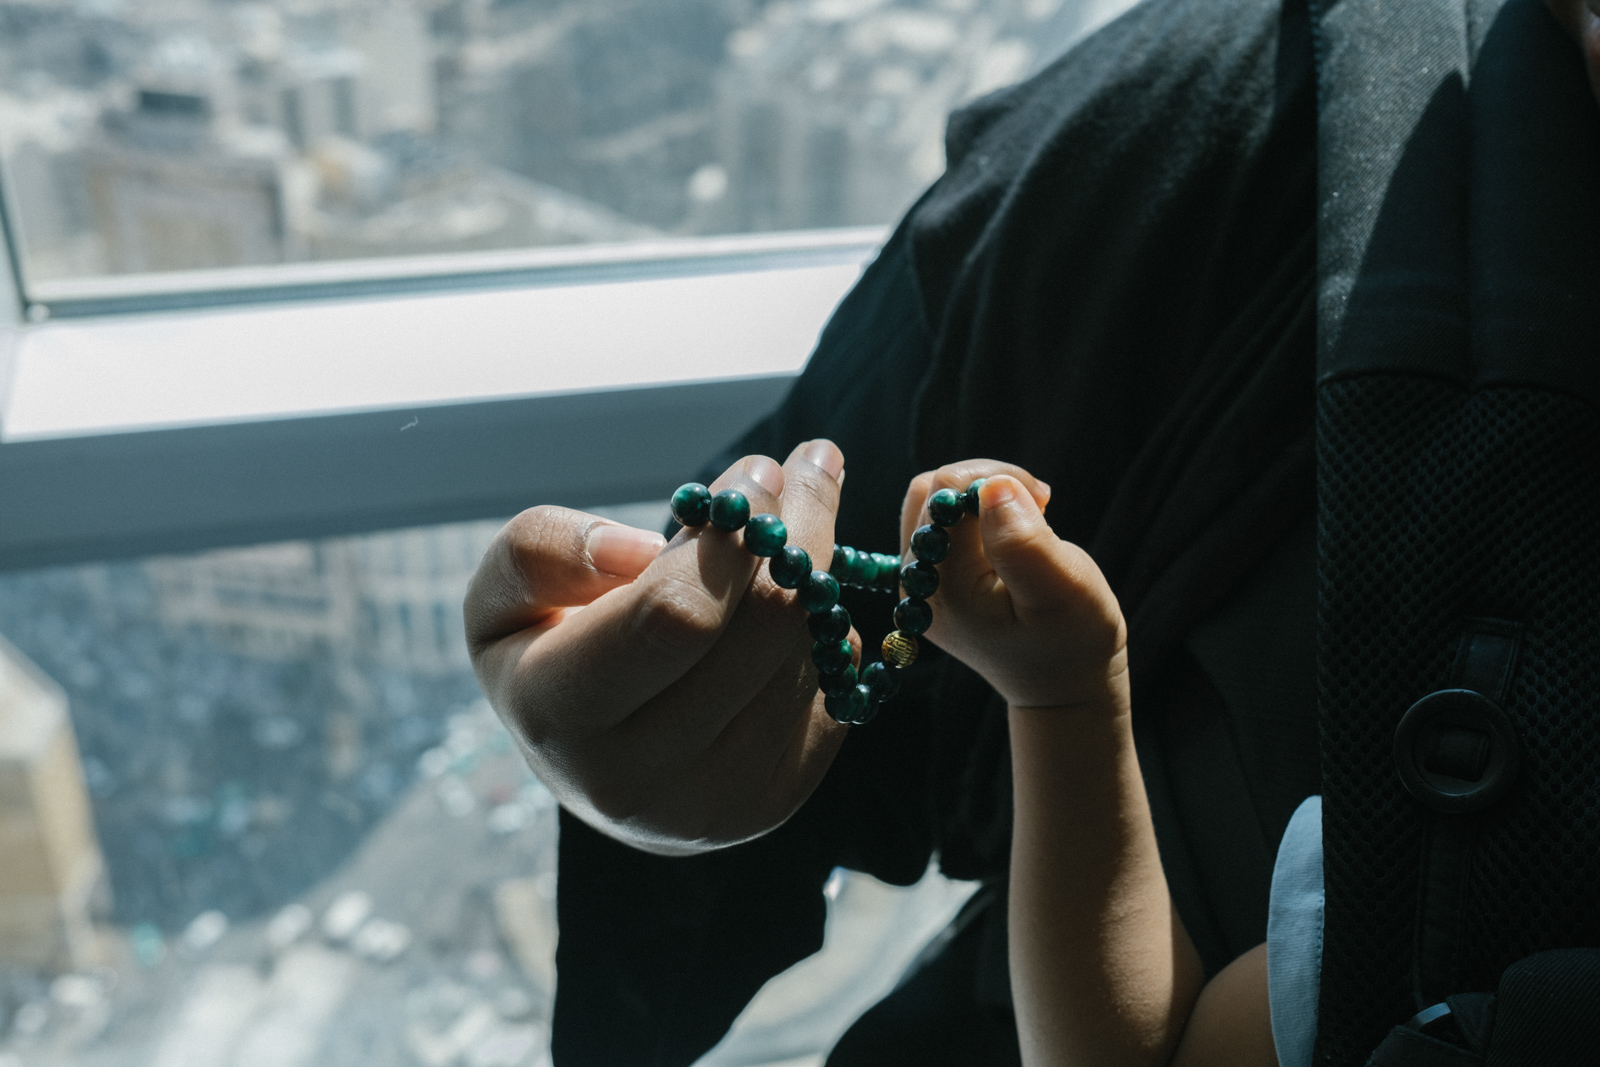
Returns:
<point x="141" y="136"/>
<point x="311" y="843"/>
<point x="298" y="271"/>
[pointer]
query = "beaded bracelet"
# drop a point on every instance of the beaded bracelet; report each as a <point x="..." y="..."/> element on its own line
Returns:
<point x="848" y="697"/>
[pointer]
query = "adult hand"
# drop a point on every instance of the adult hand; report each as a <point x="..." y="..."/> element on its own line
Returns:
<point x="664" y="692"/>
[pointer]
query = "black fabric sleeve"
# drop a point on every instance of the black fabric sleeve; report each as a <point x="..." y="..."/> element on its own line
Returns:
<point x="657" y="956"/>
<point x="1114" y="287"/>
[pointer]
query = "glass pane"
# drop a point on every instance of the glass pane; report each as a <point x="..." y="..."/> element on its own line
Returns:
<point x="159" y="135"/>
<point x="279" y="827"/>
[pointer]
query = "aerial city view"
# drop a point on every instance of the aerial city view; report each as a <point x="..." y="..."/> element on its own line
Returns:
<point x="160" y="135"/>
<point x="256" y="812"/>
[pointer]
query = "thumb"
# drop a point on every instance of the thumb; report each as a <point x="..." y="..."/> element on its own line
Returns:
<point x="1038" y="568"/>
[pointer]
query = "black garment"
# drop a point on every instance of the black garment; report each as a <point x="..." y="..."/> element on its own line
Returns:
<point x="1459" y="494"/>
<point x="1113" y="285"/>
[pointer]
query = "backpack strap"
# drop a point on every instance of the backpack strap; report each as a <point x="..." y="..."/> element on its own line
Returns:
<point x="1457" y="753"/>
<point x="1458" y="456"/>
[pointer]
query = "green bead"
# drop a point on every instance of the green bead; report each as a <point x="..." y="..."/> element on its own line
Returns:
<point x="946" y="508"/>
<point x="919" y="579"/>
<point x="730" y="510"/>
<point x="691" y="504"/>
<point x="930" y="544"/>
<point x="831" y="657"/>
<point x="838" y="685"/>
<point x="970" y="497"/>
<point x="830" y="625"/>
<point x="864" y="570"/>
<point x="765" y="535"/>
<point x="849" y="707"/>
<point x="847" y="565"/>
<point x="819" y="592"/>
<point x="881" y="681"/>
<point x="869" y="706"/>
<point x="790" y="567"/>
<point x="913" y="616"/>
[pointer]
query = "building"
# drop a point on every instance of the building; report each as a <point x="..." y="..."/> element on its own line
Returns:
<point x="391" y="601"/>
<point x="52" y="860"/>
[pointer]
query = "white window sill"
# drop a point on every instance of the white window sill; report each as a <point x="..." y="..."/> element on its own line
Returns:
<point x="170" y="430"/>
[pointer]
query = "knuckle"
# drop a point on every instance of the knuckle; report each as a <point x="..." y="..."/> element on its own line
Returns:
<point x="808" y="493"/>
<point x="679" y="617"/>
<point x="540" y="535"/>
<point x="769" y="607"/>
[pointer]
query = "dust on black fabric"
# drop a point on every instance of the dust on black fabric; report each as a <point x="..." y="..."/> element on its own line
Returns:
<point x="1460" y="382"/>
<point x="1113" y="285"/>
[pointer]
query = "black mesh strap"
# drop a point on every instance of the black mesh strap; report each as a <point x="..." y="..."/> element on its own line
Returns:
<point x="1485" y="661"/>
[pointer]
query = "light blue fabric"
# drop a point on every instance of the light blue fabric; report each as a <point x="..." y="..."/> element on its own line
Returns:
<point x="1294" y="936"/>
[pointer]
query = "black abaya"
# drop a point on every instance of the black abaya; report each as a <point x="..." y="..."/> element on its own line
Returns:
<point x="1114" y="286"/>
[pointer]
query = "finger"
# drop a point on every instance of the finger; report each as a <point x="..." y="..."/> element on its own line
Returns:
<point x="958" y="476"/>
<point x="813" y="474"/>
<point x="966" y="580"/>
<point x="605" y="662"/>
<point x="549" y="558"/>
<point x="764" y="764"/>
<point x="765" y="630"/>
<point x="1040" y="571"/>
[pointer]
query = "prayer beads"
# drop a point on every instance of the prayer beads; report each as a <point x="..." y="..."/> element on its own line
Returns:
<point x="850" y="696"/>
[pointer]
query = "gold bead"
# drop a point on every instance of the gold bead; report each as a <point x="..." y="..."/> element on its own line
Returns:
<point x="899" y="649"/>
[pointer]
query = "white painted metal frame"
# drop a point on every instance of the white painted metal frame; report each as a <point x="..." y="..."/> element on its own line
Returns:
<point x="166" y="414"/>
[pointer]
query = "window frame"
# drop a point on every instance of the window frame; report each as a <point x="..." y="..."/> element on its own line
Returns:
<point x="91" y="495"/>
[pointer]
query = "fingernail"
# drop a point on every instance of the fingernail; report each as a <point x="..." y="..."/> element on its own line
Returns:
<point x="765" y="473"/>
<point x="996" y="492"/>
<point x="1044" y="487"/>
<point x="825" y="454"/>
<point x="622" y="550"/>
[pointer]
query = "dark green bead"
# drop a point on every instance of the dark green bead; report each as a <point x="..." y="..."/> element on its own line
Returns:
<point x="790" y="567"/>
<point x="730" y="510"/>
<point x="838" y="685"/>
<point x="691" y="504"/>
<point x="819" y="592"/>
<point x="765" y="535"/>
<point x="866" y="570"/>
<point x="844" y="564"/>
<point x="883" y="570"/>
<point x="970" y="497"/>
<point x="869" y="706"/>
<point x="849" y="707"/>
<point x="913" y="616"/>
<point x="919" y="579"/>
<point x="946" y="508"/>
<point x="930" y="544"/>
<point x="830" y="625"/>
<point x="831" y="657"/>
<point x="880" y="680"/>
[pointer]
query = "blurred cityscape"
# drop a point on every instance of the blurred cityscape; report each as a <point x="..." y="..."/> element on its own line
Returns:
<point x="157" y="135"/>
<point x="253" y="809"/>
<point x="255" y="813"/>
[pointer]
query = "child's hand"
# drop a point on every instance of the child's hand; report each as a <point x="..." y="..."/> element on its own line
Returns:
<point x="1025" y="609"/>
